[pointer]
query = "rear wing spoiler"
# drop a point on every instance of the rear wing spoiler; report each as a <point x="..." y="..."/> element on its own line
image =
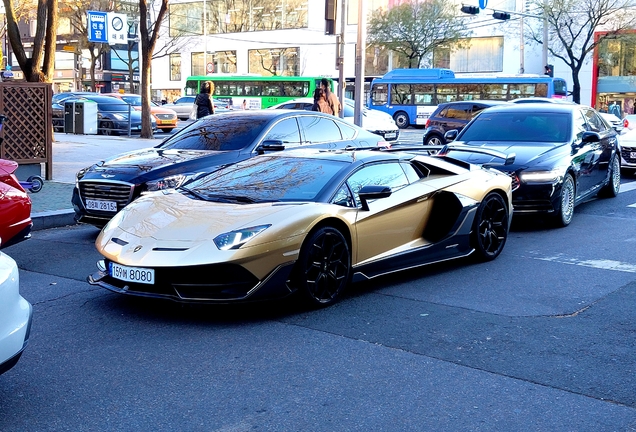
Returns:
<point x="443" y="150"/>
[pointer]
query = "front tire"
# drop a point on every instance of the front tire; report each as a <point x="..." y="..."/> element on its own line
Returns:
<point x="324" y="266"/>
<point x="490" y="228"/>
<point x="401" y="119"/>
<point x="566" y="208"/>
<point x="435" y="140"/>
<point x="611" y="189"/>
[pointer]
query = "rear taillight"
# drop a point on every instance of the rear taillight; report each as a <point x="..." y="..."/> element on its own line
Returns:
<point x="625" y="123"/>
<point x="428" y="122"/>
<point x="12" y="181"/>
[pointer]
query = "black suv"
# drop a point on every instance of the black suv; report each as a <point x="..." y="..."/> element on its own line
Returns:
<point x="452" y="115"/>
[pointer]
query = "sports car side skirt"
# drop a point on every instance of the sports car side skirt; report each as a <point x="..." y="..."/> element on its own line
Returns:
<point x="455" y="244"/>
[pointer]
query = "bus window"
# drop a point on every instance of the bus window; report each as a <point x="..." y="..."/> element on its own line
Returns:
<point x="252" y="89"/>
<point x="379" y="94"/>
<point x="446" y="93"/>
<point x="560" y="88"/>
<point x="495" y="91"/>
<point x="295" y="89"/>
<point x="192" y="88"/>
<point x="271" y="89"/>
<point x="468" y="92"/>
<point x="235" y="89"/>
<point x="541" y="90"/>
<point x="423" y="94"/>
<point x="401" y="94"/>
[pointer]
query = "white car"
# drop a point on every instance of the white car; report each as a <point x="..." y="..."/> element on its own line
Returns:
<point x="15" y="315"/>
<point x="377" y="122"/>
<point x="627" y="141"/>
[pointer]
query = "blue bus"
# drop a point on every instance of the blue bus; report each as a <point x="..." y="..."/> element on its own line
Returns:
<point x="411" y="95"/>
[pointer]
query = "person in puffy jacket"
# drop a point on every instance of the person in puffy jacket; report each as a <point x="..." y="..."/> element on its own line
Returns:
<point x="203" y="101"/>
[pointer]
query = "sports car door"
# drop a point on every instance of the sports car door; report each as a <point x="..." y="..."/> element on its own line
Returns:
<point x="394" y="224"/>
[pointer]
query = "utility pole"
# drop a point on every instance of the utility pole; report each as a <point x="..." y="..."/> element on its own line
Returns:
<point x="360" y="61"/>
<point x="340" y="46"/>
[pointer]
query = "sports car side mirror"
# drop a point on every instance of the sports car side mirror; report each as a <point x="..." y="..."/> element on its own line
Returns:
<point x="373" y="192"/>
<point x="451" y="135"/>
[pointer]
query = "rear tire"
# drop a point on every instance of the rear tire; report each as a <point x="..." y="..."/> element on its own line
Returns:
<point x="401" y="119"/>
<point x="435" y="139"/>
<point x="490" y="228"/>
<point x="323" y="269"/>
<point x="566" y="207"/>
<point x="611" y="189"/>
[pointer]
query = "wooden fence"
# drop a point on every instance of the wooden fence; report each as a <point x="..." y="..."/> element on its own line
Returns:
<point x="27" y="133"/>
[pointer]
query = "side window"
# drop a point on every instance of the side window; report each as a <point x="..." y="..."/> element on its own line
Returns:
<point x="595" y="122"/>
<point x="285" y="131"/>
<point x="411" y="173"/>
<point x="580" y="125"/>
<point x="459" y="111"/>
<point x="476" y="109"/>
<point x="384" y="174"/>
<point x="343" y="197"/>
<point x="319" y="129"/>
<point x="442" y="113"/>
<point x="347" y="131"/>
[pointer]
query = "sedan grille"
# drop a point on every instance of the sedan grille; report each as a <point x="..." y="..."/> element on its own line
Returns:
<point x="166" y="116"/>
<point x="121" y="193"/>
<point x="627" y="152"/>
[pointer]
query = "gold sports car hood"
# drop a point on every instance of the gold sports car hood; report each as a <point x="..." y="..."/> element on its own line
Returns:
<point x="171" y="216"/>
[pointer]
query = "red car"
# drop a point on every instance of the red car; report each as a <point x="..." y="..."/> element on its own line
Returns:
<point x="15" y="206"/>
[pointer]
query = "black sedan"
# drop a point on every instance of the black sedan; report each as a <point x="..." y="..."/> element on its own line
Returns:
<point x="108" y="186"/>
<point x="565" y="154"/>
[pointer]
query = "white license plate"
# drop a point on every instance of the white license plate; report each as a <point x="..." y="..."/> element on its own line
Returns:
<point x="132" y="274"/>
<point x="390" y="135"/>
<point x="632" y="155"/>
<point x="110" y="206"/>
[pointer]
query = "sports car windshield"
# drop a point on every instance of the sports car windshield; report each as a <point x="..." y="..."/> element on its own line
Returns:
<point x="217" y="133"/>
<point x="546" y="127"/>
<point x="265" y="179"/>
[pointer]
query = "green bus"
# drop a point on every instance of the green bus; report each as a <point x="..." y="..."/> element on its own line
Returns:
<point x="255" y="91"/>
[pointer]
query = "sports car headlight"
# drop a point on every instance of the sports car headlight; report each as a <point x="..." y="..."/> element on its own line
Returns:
<point x="551" y="176"/>
<point x="236" y="239"/>
<point x="121" y="117"/>
<point x="170" y="182"/>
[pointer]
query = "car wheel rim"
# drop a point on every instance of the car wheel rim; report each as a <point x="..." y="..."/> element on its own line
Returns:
<point x="567" y="200"/>
<point x="434" y="141"/>
<point x="616" y="176"/>
<point x="492" y="229"/>
<point x="327" y="267"/>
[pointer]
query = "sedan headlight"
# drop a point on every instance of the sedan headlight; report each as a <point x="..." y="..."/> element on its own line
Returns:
<point x="169" y="182"/>
<point x="236" y="239"/>
<point x="551" y="176"/>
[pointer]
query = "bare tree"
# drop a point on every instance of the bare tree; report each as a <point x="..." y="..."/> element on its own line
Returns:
<point x="40" y="66"/>
<point x="572" y="25"/>
<point x="416" y="29"/>
<point x="151" y="17"/>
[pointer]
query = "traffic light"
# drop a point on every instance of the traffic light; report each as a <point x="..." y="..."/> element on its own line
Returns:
<point x="501" y="15"/>
<point x="549" y="70"/>
<point x="472" y="10"/>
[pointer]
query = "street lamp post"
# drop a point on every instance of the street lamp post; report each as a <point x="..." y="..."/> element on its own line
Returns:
<point x="360" y="60"/>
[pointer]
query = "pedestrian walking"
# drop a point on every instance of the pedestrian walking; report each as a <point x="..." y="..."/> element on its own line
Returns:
<point x="203" y="101"/>
<point x="332" y="99"/>
<point x="320" y="102"/>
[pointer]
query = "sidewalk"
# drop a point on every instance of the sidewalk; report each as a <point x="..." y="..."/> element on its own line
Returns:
<point x="52" y="205"/>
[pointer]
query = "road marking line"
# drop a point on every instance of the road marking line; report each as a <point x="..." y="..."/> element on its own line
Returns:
<point x="626" y="187"/>
<point x="598" y="264"/>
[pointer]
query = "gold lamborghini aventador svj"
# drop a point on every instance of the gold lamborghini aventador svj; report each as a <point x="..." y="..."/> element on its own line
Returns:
<point x="306" y="221"/>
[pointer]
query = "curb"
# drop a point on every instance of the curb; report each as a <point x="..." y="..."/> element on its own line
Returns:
<point x="52" y="219"/>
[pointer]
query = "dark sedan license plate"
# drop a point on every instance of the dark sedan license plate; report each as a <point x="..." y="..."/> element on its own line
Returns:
<point x="101" y="205"/>
<point x="132" y="274"/>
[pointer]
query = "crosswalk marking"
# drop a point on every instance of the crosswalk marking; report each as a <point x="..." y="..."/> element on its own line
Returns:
<point x="598" y="264"/>
<point x="626" y="187"/>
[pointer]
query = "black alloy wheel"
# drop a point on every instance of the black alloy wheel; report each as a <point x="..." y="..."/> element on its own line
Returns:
<point x="108" y="128"/>
<point x="613" y="186"/>
<point x="566" y="207"/>
<point x="401" y="119"/>
<point x="324" y="266"/>
<point x="490" y="229"/>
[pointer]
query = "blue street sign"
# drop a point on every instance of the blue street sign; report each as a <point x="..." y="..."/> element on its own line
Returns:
<point x="97" y="27"/>
<point x="483" y="4"/>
